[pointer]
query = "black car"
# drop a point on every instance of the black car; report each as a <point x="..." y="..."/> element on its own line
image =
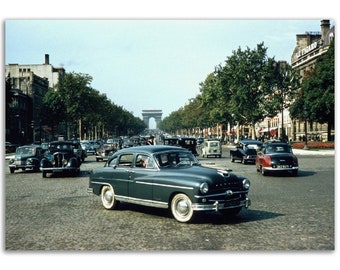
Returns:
<point x="168" y="177"/>
<point x="26" y="157"/>
<point x="245" y="151"/>
<point x="61" y="157"/>
<point x="184" y="142"/>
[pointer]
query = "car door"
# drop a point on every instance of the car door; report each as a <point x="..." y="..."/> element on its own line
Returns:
<point x="142" y="177"/>
<point x="117" y="173"/>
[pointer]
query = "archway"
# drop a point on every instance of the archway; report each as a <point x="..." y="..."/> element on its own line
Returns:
<point x="156" y="114"/>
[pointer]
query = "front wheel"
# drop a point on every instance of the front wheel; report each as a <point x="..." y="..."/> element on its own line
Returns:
<point x="181" y="208"/>
<point x="108" y="198"/>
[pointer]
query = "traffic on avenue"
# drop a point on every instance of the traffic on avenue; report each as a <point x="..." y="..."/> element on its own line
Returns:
<point x="288" y="213"/>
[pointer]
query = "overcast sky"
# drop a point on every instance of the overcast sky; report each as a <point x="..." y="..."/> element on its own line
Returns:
<point x="148" y="63"/>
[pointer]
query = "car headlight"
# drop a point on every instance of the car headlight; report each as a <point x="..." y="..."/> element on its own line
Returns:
<point x="204" y="188"/>
<point x="246" y="183"/>
<point x="29" y="161"/>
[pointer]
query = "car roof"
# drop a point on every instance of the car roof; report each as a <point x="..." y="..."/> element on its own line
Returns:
<point x="151" y="149"/>
<point x="249" y="141"/>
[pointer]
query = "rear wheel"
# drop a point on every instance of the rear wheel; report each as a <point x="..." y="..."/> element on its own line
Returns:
<point x="108" y="198"/>
<point x="181" y="208"/>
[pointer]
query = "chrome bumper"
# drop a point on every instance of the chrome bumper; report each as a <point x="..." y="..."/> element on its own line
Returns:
<point x="221" y="205"/>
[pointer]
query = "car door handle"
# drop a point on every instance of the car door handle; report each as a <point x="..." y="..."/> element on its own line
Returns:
<point x="129" y="171"/>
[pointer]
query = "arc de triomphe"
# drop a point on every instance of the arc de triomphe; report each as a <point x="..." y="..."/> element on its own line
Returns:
<point x="156" y="114"/>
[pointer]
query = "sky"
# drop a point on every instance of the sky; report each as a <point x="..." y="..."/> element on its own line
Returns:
<point x="147" y="63"/>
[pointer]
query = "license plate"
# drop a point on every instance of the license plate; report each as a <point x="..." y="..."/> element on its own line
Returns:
<point x="283" y="166"/>
<point x="232" y="203"/>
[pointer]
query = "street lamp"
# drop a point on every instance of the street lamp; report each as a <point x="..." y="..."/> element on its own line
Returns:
<point x="305" y="124"/>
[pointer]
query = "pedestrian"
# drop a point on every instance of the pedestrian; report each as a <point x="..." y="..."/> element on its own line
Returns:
<point x="151" y="140"/>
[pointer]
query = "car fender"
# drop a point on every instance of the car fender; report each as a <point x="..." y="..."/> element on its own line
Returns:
<point x="73" y="162"/>
<point x="45" y="163"/>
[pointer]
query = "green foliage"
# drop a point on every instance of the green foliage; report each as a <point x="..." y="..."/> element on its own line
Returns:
<point x="248" y="88"/>
<point x="74" y="100"/>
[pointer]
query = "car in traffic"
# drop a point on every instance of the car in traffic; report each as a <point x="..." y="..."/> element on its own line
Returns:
<point x="277" y="157"/>
<point x="245" y="151"/>
<point x="168" y="177"/>
<point x="26" y="157"/>
<point x="10" y="147"/>
<point x="104" y="151"/>
<point x="211" y="148"/>
<point x="61" y="157"/>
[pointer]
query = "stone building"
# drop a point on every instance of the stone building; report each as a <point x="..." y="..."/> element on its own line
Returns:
<point x="309" y="47"/>
<point x="28" y="85"/>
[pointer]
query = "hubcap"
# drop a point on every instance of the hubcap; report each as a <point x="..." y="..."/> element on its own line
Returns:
<point x="183" y="207"/>
<point x="108" y="196"/>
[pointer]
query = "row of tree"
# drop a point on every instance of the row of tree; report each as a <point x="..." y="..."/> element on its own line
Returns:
<point x="85" y="111"/>
<point x="251" y="86"/>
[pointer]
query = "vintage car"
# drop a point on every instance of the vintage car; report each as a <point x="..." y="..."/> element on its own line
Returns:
<point x="245" y="151"/>
<point x="168" y="177"/>
<point x="211" y="148"/>
<point x="26" y="157"/>
<point x="184" y="142"/>
<point x="277" y="157"/>
<point x="104" y="151"/>
<point x="61" y="157"/>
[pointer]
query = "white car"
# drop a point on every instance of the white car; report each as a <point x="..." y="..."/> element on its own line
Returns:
<point x="211" y="148"/>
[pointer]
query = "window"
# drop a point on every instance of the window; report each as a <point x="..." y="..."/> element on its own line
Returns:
<point x="125" y="160"/>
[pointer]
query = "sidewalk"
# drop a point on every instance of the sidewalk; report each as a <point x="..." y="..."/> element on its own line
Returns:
<point x="321" y="152"/>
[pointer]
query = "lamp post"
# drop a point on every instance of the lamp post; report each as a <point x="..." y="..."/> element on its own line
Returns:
<point x="305" y="126"/>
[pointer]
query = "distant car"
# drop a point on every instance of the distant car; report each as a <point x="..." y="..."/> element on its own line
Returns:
<point x="61" y="157"/>
<point x="245" y="151"/>
<point x="211" y="148"/>
<point x="10" y="147"/>
<point x="277" y="157"/>
<point x="168" y="177"/>
<point x="104" y="151"/>
<point x="26" y="157"/>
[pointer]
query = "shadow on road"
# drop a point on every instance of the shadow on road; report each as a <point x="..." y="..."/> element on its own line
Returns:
<point x="205" y="217"/>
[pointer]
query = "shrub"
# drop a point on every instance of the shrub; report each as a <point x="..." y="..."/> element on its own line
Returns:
<point x="314" y="145"/>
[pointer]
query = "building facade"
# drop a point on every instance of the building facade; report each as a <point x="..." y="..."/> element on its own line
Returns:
<point x="27" y="86"/>
<point x="309" y="47"/>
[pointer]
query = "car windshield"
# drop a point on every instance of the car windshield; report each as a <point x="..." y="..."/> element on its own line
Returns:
<point x="278" y="149"/>
<point x="25" y="151"/>
<point x="214" y="144"/>
<point x="176" y="159"/>
<point x="61" y="147"/>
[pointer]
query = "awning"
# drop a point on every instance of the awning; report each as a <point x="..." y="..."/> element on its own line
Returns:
<point x="266" y="129"/>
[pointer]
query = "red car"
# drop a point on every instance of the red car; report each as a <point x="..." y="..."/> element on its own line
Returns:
<point x="277" y="157"/>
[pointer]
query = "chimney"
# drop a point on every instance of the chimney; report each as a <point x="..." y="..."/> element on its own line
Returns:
<point x="47" y="59"/>
<point x="325" y="26"/>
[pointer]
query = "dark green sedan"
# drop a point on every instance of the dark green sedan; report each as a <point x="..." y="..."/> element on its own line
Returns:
<point x="168" y="177"/>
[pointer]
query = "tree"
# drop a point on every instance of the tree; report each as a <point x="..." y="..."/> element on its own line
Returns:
<point x="247" y="79"/>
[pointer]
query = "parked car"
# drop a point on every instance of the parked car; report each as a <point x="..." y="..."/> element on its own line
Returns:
<point x="277" y="157"/>
<point x="61" y="157"/>
<point x="211" y="148"/>
<point x="245" y="151"/>
<point x="168" y="177"/>
<point x="26" y="157"/>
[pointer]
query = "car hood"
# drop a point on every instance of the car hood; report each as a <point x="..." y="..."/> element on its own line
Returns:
<point x="216" y="178"/>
